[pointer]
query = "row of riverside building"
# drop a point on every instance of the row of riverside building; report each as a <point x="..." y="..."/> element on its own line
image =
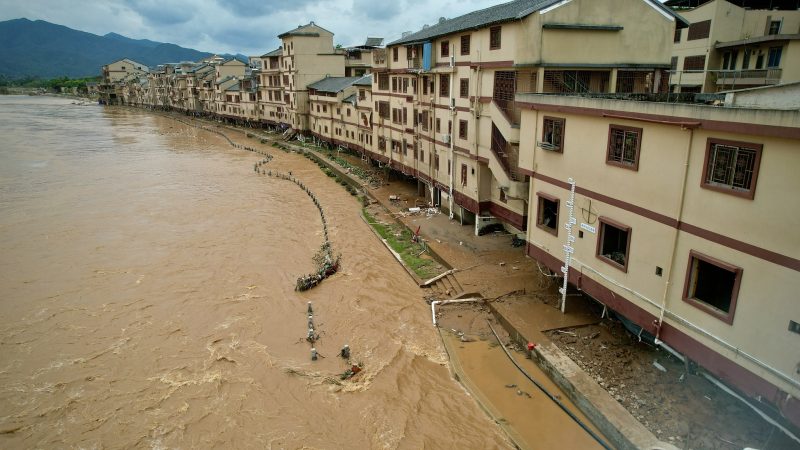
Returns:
<point x="685" y="216"/>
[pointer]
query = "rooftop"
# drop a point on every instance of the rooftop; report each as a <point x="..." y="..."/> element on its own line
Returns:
<point x="505" y="12"/>
<point x="333" y="84"/>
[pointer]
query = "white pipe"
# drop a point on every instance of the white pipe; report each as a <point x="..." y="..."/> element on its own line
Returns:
<point x="666" y="347"/>
<point x="767" y="418"/>
<point x="438" y="277"/>
<point x="445" y="302"/>
<point x="688" y="324"/>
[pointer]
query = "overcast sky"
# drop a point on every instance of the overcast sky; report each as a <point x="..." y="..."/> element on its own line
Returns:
<point x="249" y="27"/>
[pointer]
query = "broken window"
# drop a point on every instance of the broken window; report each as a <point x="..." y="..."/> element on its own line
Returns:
<point x="712" y="285"/>
<point x="547" y="215"/>
<point x="623" y="146"/>
<point x="732" y="167"/>
<point x="613" y="243"/>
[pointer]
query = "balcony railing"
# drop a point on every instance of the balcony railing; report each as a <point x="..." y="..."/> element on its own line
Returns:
<point x="747" y="77"/>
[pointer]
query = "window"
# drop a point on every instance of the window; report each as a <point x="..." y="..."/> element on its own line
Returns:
<point x="774" y="27"/>
<point x="438" y="125"/>
<point x="697" y="62"/>
<point x="362" y="94"/>
<point x="760" y="61"/>
<point x="383" y="109"/>
<point x="421" y="155"/>
<point x="547" y="213"/>
<point x="464" y="88"/>
<point x="503" y="197"/>
<point x="494" y="38"/>
<point x="465" y="44"/>
<point x="729" y="60"/>
<point x="677" y="37"/>
<point x="774" y="59"/>
<point x="673" y="63"/>
<point x="463" y="174"/>
<point x="624" y="144"/>
<point x="732" y="167"/>
<point x="383" y="82"/>
<point x="444" y="85"/>
<point x="712" y="286"/>
<point x="395" y="54"/>
<point x="445" y="47"/>
<point x="394" y="84"/>
<point x="699" y="30"/>
<point x="553" y="134"/>
<point x="436" y="162"/>
<point x="746" y="59"/>
<point x="613" y="243"/>
<point x="462" y="129"/>
<point x="425" y="85"/>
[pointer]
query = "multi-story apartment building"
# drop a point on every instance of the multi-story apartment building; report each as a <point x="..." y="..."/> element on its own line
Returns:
<point x="340" y="111"/>
<point x="360" y="58"/>
<point x="270" y="89"/>
<point x="446" y="93"/>
<point x="115" y="75"/>
<point x="729" y="47"/>
<point x="307" y="55"/>
<point x="683" y="225"/>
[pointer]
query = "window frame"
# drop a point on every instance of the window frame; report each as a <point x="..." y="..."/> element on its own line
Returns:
<point x="624" y="128"/>
<point x="444" y="85"/>
<point x="463" y="87"/>
<point x="444" y="49"/>
<point x="466" y="42"/>
<point x="603" y="222"/>
<point x="539" y="209"/>
<point x="395" y="54"/>
<point x="463" y="129"/>
<point x="748" y="194"/>
<point x="495" y="37"/>
<point x="563" y="121"/>
<point x="726" y="317"/>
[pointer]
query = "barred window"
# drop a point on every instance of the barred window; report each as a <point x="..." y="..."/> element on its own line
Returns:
<point x="444" y="85"/>
<point x="624" y="144"/>
<point x="699" y="30"/>
<point x="697" y="62"/>
<point x="464" y="88"/>
<point x="732" y="167"/>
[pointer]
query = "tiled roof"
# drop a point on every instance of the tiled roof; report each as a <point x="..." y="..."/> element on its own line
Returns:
<point x="351" y="99"/>
<point x="366" y="80"/>
<point x="373" y="42"/>
<point x="333" y="84"/>
<point x="515" y="10"/>
<point x="303" y="30"/>
<point x="277" y="52"/>
<point x="234" y="87"/>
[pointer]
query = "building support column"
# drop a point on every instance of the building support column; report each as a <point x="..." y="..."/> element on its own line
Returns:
<point x="612" y="81"/>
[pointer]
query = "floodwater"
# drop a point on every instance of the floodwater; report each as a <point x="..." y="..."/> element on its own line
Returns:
<point x="147" y="298"/>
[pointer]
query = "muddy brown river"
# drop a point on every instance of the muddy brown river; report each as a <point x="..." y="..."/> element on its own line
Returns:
<point x="147" y="298"/>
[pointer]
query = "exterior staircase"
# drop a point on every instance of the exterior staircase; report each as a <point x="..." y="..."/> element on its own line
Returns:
<point x="447" y="287"/>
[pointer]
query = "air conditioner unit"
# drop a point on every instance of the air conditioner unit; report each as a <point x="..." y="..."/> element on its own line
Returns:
<point x="446" y="138"/>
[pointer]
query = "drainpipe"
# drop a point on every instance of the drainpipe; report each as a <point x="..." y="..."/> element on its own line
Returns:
<point x="681" y="201"/>
<point x="451" y="156"/>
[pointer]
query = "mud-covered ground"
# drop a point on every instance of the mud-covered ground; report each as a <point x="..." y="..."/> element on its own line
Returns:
<point x="679" y="407"/>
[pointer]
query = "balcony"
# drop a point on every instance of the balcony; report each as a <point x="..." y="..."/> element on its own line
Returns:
<point x="758" y="77"/>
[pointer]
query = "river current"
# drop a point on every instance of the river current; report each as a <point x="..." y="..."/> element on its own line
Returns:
<point x="147" y="298"/>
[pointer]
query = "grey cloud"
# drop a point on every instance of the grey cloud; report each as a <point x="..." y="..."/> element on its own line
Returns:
<point x="162" y="12"/>
<point x="380" y="10"/>
<point x="250" y="8"/>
